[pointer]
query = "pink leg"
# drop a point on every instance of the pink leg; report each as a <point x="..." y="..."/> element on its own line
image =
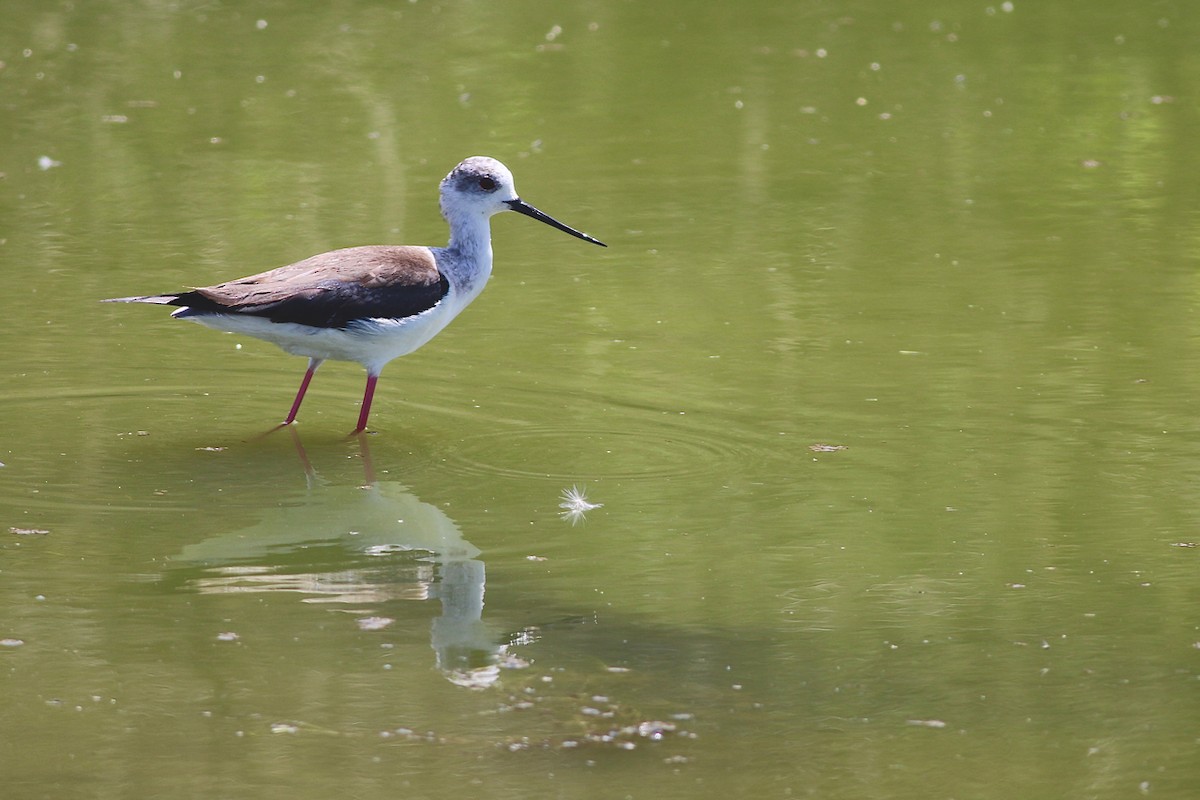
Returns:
<point x="313" y="363"/>
<point x="366" y="403"/>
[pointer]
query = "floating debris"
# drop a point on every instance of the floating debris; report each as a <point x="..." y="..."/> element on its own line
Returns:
<point x="374" y="623"/>
<point x="926" y="723"/>
<point x="827" y="448"/>
<point x="383" y="549"/>
<point x="227" y="636"/>
<point x="592" y="721"/>
<point x="575" y="505"/>
<point x="28" y="531"/>
<point x="46" y="162"/>
<point x="410" y="735"/>
<point x="621" y="737"/>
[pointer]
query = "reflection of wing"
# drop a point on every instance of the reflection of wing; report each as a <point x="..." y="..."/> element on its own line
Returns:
<point x="352" y="545"/>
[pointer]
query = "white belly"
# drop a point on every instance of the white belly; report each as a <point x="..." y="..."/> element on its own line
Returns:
<point x="370" y="342"/>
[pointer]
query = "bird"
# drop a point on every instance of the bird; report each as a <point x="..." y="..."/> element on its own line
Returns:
<point x="368" y="304"/>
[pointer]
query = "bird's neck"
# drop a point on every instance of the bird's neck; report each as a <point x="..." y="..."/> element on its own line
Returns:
<point x="469" y="253"/>
<point x="470" y="235"/>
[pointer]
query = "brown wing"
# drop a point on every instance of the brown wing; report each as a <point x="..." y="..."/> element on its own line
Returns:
<point x="330" y="290"/>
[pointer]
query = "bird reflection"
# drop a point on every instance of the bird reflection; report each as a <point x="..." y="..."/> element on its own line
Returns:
<point x="358" y="546"/>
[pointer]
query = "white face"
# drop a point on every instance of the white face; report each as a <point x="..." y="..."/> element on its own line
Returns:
<point x="478" y="183"/>
<point x="481" y="185"/>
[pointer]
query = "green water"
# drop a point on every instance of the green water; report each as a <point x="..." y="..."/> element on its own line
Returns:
<point x="886" y="384"/>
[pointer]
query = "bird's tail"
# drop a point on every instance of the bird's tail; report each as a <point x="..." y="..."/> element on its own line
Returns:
<point x="157" y="299"/>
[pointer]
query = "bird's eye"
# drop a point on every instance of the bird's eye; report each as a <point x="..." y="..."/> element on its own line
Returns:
<point x="487" y="184"/>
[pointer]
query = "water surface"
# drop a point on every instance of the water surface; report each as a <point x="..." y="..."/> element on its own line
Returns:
<point x="886" y="385"/>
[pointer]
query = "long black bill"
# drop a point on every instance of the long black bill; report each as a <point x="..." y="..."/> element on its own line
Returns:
<point x="521" y="207"/>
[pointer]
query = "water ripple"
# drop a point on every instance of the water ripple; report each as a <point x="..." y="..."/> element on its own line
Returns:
<point x="563" y="452"/>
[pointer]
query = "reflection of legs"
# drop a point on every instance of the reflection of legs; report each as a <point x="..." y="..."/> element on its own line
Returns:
<point x="310" y="474"/>
<point x="364" y="453"/>
<point x="368" y="395"/>
<point x="313" y="363"/>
